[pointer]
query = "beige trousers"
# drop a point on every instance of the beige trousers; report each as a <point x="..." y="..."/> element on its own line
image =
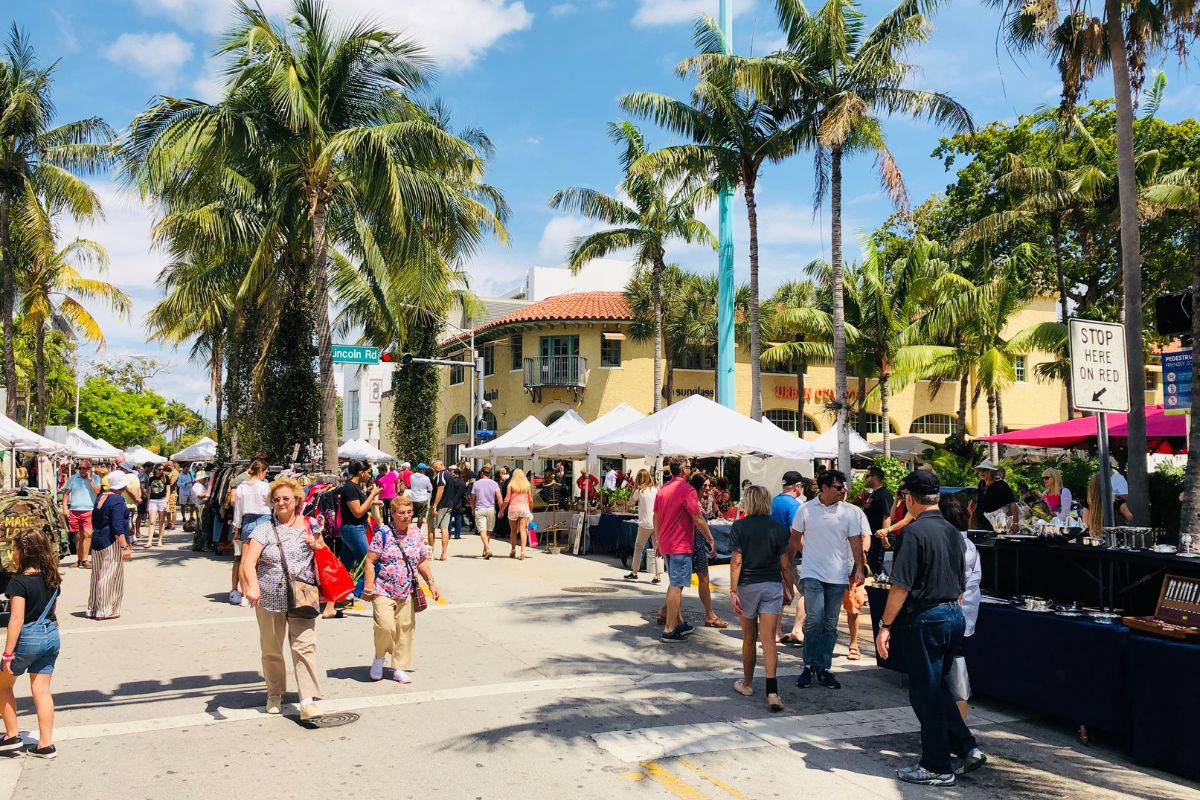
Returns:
<point x="275" y="630"/>
<point x="644" y="535"/>
<point x="395" y="623"/>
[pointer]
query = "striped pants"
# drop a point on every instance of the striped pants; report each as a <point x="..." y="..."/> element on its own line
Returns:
<point x="108" y="582"/>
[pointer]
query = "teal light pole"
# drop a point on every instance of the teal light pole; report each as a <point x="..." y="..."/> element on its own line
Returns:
<point x="726" y="384"/>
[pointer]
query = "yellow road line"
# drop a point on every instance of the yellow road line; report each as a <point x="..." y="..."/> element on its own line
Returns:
<point x="714" y="780"/>
<point x="673" y="784"/>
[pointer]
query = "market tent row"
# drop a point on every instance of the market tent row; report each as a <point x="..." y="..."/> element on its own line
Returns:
<point x="698" y="427"/>
<point x="567" y="425"/>
<point x="15" y="436"/>
<point x="360" y="449"/>
<point x="1165" y="433"/>
<point x="574" y="443"/>
<point x="203" y="450"/>
<point x="82" y="445"/>
<point x="138" y="455"/>
<point x="507" y="444"/>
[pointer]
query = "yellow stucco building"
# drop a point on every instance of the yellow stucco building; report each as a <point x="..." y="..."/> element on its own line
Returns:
<point x="573" y="351"/>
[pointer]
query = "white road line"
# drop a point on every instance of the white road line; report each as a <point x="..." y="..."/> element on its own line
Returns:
<point x="101" y="627"/>
<point x="669" y="741"/>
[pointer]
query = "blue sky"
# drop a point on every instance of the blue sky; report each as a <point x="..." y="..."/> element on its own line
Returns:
<point x="542" y="77"/>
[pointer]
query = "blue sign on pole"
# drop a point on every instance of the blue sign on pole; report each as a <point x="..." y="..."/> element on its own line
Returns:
<point x="1177" y="382"/>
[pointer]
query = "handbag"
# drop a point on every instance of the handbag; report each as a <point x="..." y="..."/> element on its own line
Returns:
<point x="420" y="601"/>
<point x="303" y="598"/>
<point x="332" y="577"/>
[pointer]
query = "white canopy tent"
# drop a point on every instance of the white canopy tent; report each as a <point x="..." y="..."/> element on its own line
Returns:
<point x="203" y="450"/>
<point x="569" y="424"/>
<point x="826" y="445"/>
<point x="360" y="449"/>
<point x="83" y="445"/>
<point x="698" y="427"/>
<point x="17" y="437"/>
<point x="507" y="444"/>
<point x="137" y="455"/>
<point x="575" y="443"/>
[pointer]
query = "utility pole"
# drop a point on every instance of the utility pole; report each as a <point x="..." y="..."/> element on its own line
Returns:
<point x="726" y="363"/>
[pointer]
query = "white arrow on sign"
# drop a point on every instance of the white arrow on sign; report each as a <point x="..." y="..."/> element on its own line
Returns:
<point x="1099" y="381"/>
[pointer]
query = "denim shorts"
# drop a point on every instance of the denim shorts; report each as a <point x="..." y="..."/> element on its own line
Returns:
<point x="679" y="569"/>
<point x="761" y="598"/>
<point x="37" y="649"/>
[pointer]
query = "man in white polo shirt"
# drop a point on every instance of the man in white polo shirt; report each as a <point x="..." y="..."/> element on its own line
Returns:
<point x="829" y="532"/>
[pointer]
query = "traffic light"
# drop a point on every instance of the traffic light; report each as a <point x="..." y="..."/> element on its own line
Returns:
<point x="387" y="358"/>
<point x="406" y="359"/>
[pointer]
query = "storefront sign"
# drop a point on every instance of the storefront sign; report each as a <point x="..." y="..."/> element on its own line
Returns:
<point x="1177" y="382"/>
<point x="812" y="395"/>
<point x="709" y="393"/>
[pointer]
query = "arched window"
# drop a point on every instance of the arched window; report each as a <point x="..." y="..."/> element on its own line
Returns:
<point x="782" y="418"/>
<point x="874" y="423"/>
<point x="458" y="426"/>
<point x="550" y="420"/>
<point x="489" y="421"/>
<point x="810" y="425"/>
<point x="933" y="424"/>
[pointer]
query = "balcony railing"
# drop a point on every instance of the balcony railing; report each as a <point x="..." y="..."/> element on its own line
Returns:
<point x="562" y="372"/>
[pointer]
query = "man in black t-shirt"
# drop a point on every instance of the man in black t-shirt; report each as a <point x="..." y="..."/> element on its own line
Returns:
<point x="878" y="507"/>
<point x="448" y="492"/>
<point x="928" y="578"/>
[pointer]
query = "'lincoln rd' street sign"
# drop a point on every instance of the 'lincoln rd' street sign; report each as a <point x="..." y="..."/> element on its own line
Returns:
<point x="355" y="354"/>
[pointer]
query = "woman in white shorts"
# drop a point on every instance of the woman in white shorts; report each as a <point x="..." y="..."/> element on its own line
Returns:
<point x="157" y="487"/>
<point x="760" y="577"/>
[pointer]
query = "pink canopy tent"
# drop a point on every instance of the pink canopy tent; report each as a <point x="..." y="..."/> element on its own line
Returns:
<point x="1165" y="433"/>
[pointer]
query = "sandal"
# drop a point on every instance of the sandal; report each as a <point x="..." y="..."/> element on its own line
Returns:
<point x="741" y="688"/>
<point x="656" y="581"/>
<point x="791" y="640"/>
<point x="660" y="620"/>
<point x="716" y="622"/>
<point x="513" y="554"/>
<point x="854" y="654"/>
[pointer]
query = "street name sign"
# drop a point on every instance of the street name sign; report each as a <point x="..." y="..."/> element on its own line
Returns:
<point x="1177" y="381"/>
<point x="1099" y="381"/>
<point x="355" y="354"/>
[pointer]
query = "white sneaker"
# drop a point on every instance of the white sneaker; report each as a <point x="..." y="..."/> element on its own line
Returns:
<point x="245" y="603"/>
<point x="235" y="598"/>
<point x="400" y="676"/>
<point x="376" y="673"/>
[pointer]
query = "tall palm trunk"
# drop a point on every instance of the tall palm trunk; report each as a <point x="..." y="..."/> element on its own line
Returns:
<point x="999" y="413"/>
<point x="1064" y="308"/>
<point x="993" y="449"/>
<point x="962" y="405"/>
<point x="216" y="367"/>
<point x="839" y="312"/>
<point x="670" y="380"/>
<point x="884" y="391"/>
<point x="6" y="307"/>
<point x="755" y="333"/>
<point x="1190" y="513"/>
<point x="656" y="276"/>
<point x="801" y="367"/>
<point x="1131" y="271"/>
<point x="40" y="370"/>
<point x="860" y="416"/>
<point x="329" y="430"/>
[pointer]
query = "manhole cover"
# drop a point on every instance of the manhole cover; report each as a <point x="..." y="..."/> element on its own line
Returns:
<point x="333" y="720"/>
<point x="589" y="589"/>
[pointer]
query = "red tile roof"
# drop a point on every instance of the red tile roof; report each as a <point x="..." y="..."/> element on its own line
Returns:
<point x="578" y="306"/>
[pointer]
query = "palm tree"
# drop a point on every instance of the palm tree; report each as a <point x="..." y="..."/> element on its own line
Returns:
<point x="848" y="78"/>
<point x="797" y="330"/>
<point x="53" y="291"/>
<point x="323" y="117"/>
<point x="655" y="312"/>
<point x="657" y="211"/>
<point x="1080" y="38"/>
<point x="694" y="328"/>
<point x="734" y="131"/>
<point x="1181" y="190"/>
<point x="36" y="160"/>
<point x="175" y="415"/>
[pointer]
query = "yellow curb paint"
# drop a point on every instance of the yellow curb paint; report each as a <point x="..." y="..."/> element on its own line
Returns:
<point x="673" y="784"/>
<point x="715" y="781"/>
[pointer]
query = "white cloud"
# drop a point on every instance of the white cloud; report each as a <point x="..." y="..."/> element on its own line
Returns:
<point x="67" y="42"/>
<point x="558" y="234"/>
<point x="210" y="86"/>
<point x="152" y="55"/>
<point x="455" y="32"/>
<point x="562" y="9"/>
<point x="533" y="140"/>
<point x="673" y="12"/>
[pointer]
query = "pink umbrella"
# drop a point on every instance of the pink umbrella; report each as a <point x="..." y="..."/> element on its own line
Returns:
<point x="1079" y="432"/>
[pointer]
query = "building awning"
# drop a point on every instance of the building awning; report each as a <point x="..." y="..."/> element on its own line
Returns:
<point x="613" y="336"/>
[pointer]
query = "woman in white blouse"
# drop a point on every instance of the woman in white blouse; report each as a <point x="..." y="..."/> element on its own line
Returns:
<point x="644" y="491"/>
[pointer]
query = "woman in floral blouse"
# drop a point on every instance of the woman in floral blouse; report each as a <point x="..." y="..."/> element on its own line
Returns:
<point x="398" y="549"/>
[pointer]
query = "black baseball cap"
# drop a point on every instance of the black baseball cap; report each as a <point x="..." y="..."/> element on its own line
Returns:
<point x="921" y="482"/>
<point x="791" y="478"/>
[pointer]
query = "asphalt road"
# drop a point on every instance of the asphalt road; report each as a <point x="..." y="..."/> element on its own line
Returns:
<point x="523" y="689"/>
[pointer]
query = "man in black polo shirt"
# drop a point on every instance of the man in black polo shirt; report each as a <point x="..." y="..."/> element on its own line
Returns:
<point x="928" y="578"/>
<point x="878" y="507"/>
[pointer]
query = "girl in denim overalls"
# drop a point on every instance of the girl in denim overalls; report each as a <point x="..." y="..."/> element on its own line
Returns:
<point x="33" y="642"/>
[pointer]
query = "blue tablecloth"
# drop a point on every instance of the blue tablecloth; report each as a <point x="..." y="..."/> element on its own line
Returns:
<point x="1163" y="703"/>
<point x="721" y="532"/>
<point x="1072" y="668"/>
<point x="606" y="534"/>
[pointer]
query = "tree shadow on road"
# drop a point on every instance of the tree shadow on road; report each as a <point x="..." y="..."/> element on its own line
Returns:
<point x="133" y="693"/>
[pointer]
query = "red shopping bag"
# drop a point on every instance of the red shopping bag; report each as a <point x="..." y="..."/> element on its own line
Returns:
<point x="335" y="582"/>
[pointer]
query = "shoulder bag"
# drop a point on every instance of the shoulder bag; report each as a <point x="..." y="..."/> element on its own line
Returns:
<point x="303" y="598"/>
<point x="420" y="601"/>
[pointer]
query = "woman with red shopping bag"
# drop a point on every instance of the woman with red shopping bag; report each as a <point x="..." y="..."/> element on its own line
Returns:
<point x="401" y="554"/>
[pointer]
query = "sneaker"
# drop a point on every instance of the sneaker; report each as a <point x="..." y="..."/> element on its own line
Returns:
<point x="245" y="603"/>
<point x="274" y="704"/>
<point x="656" y="581"/>
<point x="400" y="676"/>
<point x="235" y="598"/>
<point x="774" y="703"/>
<point x="631" y="577"/>
<point x="311" y="711"/>
<point x="376" y="672"/>
<point x="685" y="630"/>
<point x="826" y="679"/>
<point x="806" y="678"/>
<point x="48" y="751"/>
<point x="10" y="743"/>
<point x="973" y="761"/>
<point x="674" y="637"/>
<point x="919" y="775"/>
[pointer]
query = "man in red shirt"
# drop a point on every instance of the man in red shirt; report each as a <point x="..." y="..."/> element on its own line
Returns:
<point x="587" y="485"/>
<point x="676" y="518"/>
<point x="406" y="474"/>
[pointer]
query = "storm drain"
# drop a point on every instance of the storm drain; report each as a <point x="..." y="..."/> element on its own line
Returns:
<point x="589" y="589"/>
<point x="333" y="720"/>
